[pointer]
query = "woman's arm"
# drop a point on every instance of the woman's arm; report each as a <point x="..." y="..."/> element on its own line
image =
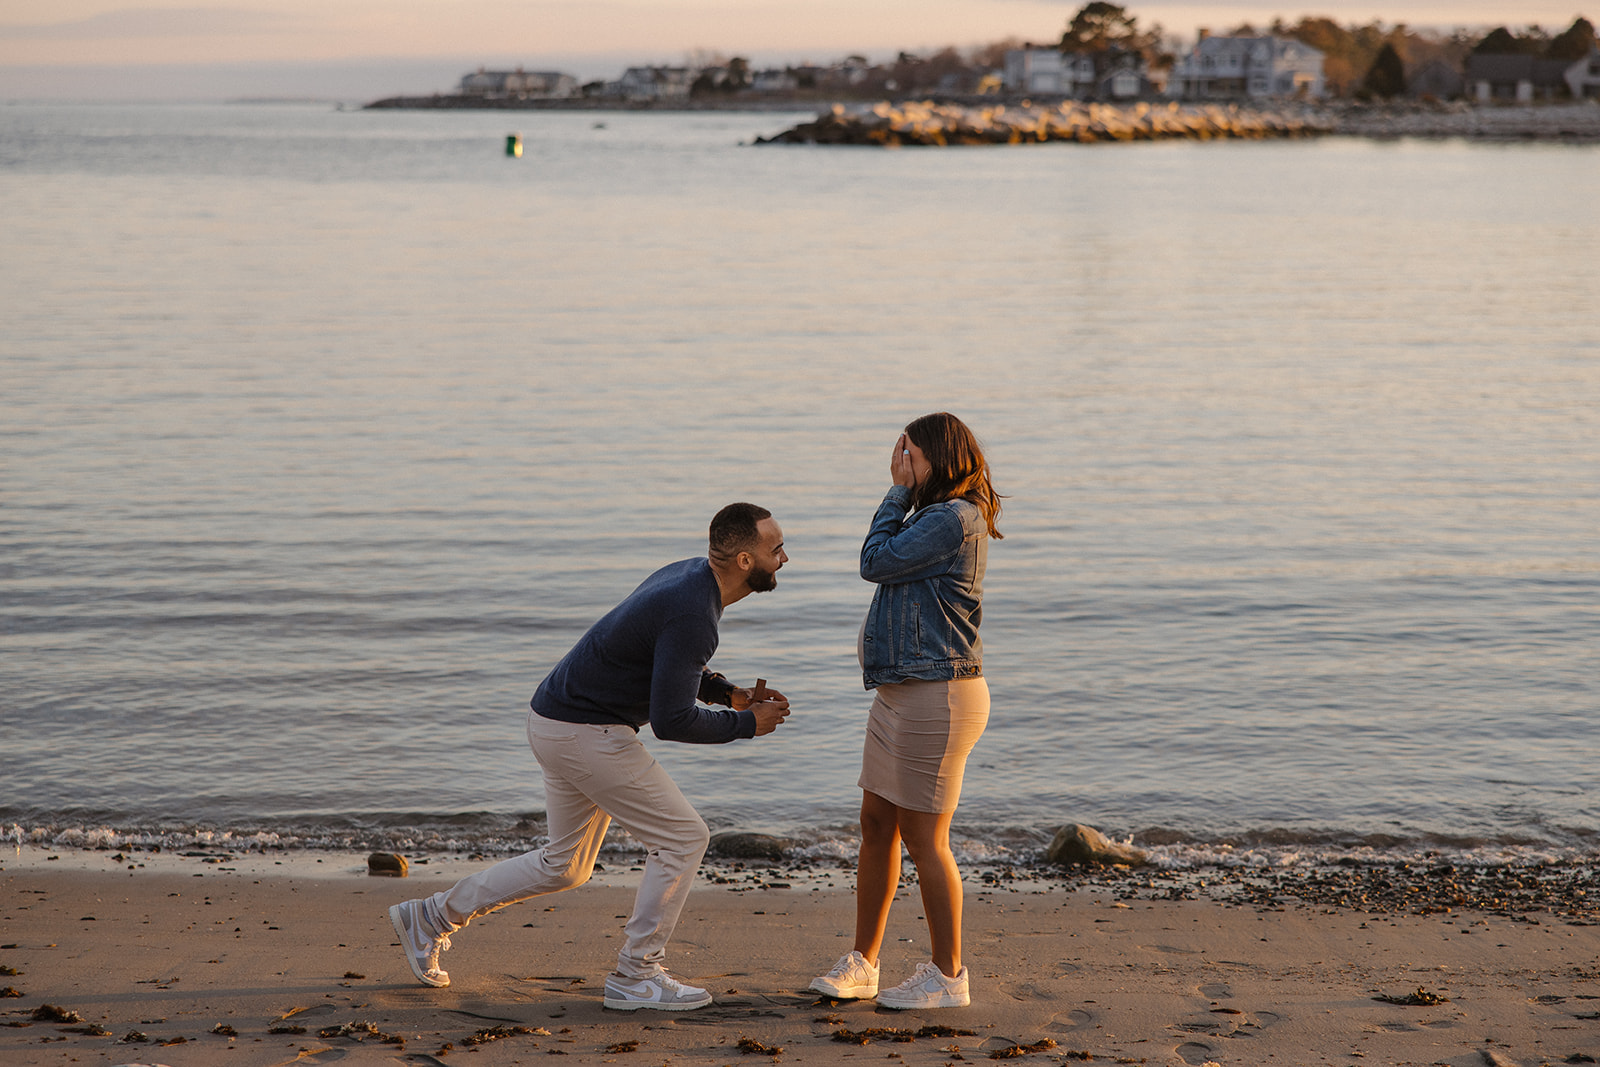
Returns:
<point x="894" y="552"/>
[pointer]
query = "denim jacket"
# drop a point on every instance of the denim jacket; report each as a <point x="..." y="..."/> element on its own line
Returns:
<point x="923" y="622"/>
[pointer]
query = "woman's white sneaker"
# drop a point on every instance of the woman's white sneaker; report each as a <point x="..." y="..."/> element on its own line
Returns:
<point x="852" y="978"/>
<point x="928" y="988"/>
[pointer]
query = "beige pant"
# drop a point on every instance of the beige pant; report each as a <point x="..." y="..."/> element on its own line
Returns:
<point x="593" y="774"/>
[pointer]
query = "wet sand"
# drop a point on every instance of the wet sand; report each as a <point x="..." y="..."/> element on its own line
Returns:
<point x="260" y="959"/>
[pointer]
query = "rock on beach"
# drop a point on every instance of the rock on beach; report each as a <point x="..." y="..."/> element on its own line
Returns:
<point x="928" y="123"/>
<point x="1083" y="845"/>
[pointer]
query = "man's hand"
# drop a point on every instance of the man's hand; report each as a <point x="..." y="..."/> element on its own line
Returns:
<point x="770" y="712"/>
<point x="743" y="698"/>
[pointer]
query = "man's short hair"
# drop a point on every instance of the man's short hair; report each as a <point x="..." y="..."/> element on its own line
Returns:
<point x="733" y="529"/>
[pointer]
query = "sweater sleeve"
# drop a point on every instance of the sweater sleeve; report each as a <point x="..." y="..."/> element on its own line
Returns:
<point x="682" y="649"/>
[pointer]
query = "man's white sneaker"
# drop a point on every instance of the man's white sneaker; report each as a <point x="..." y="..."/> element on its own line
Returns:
<point x="660" y="991"/>
<point x="852" y="978"/>
<point x="417" y="941"/>
<point x="928" y="988"/>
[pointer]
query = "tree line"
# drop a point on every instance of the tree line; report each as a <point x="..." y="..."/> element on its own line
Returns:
<point x="1359" y="60"/>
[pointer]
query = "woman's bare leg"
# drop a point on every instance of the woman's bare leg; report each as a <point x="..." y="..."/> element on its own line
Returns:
<point x="877" y="873"/>
<point x="927" y="838"/>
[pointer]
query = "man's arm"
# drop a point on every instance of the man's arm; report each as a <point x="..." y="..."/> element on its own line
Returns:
<point x="677" y="676"/>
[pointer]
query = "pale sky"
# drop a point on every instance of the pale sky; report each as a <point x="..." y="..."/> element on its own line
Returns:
<point x="49" y="46"/>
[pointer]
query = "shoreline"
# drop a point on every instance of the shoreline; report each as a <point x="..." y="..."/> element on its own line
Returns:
<point x="201" y="957"/>
<point x="1566" y="122"/>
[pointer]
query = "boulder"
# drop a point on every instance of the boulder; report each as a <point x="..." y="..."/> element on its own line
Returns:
<point x="1078" y="844"/>
<point x="738" y="845"/>
<point x="387" y="865"/>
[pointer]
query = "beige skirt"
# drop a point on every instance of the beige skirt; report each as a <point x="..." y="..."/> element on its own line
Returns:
<point x="918" y="737"/>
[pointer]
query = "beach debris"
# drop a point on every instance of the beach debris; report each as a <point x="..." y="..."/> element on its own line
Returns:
<point x="9" y="972"/>
<point x="225" y="1030"/>
<point x="1421" y="998"/>
<point x="282" y="1029"/>
<point x="871" y="1033"/>
<point x="624" y="1046"/>
<point x="497" y="1033"/>
<point x="10" y="992"/>
<point x="387" y="865"/>
<point x="738" y="845"/>
<point x="359" y="1031"/>
<point x="50" y="1013"/>
<point x="751" y="1047"/>
<point x="92" y="1030"/>
<point x="1076" y="844"/>
<point x="135" y="1037"/>
<point x="1011" y="1052"/>
<point x="890" y="1033"/>
<point x="353" y="974"/>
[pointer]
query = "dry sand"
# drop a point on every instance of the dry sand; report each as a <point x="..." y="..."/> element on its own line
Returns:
<point x="218" y="962"/>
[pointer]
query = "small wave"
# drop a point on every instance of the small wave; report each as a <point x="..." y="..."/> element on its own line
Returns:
<point x="491" y="835"/>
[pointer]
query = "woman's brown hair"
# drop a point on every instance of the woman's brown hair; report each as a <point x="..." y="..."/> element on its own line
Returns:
<point x="958" y="466"/>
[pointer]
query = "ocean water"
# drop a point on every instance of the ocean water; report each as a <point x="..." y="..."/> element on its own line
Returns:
<point x="325" y="433"/>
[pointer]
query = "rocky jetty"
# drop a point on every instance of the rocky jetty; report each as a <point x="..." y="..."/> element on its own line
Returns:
<point x="927" y="123"/>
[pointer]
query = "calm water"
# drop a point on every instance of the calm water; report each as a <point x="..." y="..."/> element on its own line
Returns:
<point x="326" y="433"/>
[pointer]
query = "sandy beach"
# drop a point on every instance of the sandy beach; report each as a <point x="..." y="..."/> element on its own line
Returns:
<point x="275" y="959"/>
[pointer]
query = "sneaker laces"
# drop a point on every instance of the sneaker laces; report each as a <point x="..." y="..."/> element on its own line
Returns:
<point x="438" y="945"/>
<point x="848" y="965"/>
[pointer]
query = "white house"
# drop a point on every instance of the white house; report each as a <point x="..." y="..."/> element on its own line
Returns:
<point x="1049" y="71"/>
<point x="1583" y="77"/>
<point x="518" y="83"/>
<point x="653" y="83"/>
<point x="1248" y="67"/>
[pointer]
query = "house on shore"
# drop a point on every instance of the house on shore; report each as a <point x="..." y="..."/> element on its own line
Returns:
<point x="518" y="84"/>
<point x="1112" y="74"/>
<point x="1583" y="77"/>
<point x="1248" y="68"/>
<point x="1500" y="78"/>
<point x="653" y="83"/>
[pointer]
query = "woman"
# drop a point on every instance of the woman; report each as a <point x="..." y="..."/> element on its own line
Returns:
<point x="921" y="652"/>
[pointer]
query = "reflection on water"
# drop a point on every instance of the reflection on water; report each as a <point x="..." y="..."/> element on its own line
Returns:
<point x="327" y="433"/>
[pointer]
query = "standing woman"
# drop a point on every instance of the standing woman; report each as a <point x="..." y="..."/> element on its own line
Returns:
<point x="921" y="652"/>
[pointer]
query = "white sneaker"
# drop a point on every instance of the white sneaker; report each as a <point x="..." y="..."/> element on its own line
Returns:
<point x="928" y="988"/>
<point x="852" y="978"/>
<point x="660" y="991"/>
<point x="420" y="946"/>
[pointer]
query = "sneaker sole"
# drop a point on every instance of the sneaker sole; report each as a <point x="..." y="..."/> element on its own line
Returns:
<point x="941" y="1002"/>
<point x="858" y="992"/>
<point x="400" y="932"/>
<point x="635" y="1005"/>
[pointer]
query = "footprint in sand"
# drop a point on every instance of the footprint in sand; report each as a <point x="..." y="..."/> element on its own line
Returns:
<point x="1216" y="991"/>
<point x="1068" y="1021"/>
<point x="1193" y="1052"/>
<point x="1210" y="1025"/>
<point x="1026" y="991"/>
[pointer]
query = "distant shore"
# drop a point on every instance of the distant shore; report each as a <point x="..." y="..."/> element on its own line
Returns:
<point x="1573" y="121"/>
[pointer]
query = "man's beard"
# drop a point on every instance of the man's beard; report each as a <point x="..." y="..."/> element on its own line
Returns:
<point x="762" y="581"/>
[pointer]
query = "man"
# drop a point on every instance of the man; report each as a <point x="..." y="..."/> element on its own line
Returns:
<point x="645" y="661"/>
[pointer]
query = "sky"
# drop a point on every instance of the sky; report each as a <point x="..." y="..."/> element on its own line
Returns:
<point x="355" y="49"/>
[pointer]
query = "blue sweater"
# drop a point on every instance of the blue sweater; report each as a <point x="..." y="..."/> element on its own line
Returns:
<point x="645" y="661"/>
